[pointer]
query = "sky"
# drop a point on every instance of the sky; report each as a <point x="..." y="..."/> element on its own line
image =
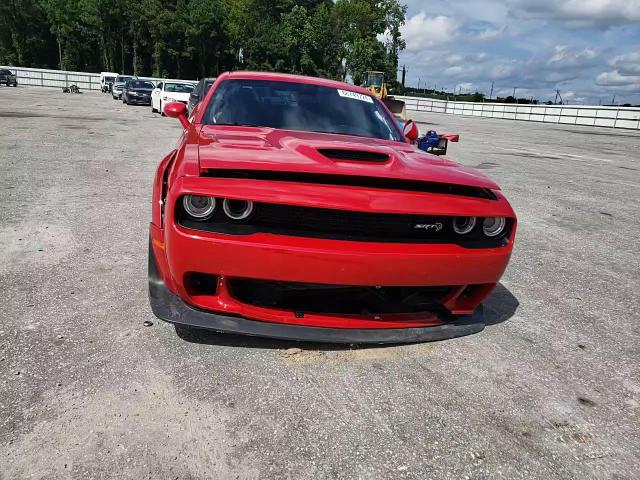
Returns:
<point x="587" y="49"/>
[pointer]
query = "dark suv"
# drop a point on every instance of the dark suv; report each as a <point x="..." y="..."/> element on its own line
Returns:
<point x="8" y="78"/>
<point x="137" y="92"/>
<point x="199" y="92"/>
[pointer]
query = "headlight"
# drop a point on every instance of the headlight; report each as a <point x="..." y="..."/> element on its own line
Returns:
<point x="237" y="209"/>
<point x="463" y="225"/>
<point x="493" y="226"/>
<point x="199" y="207"/>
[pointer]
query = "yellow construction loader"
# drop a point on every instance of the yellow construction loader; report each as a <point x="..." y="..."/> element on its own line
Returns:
<point x="375" y="83"/>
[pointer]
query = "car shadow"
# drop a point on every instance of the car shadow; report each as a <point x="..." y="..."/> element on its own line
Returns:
<point x="499" y="307"/>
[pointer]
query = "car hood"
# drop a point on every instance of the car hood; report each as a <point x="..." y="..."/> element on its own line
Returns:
<point x="249" y="148"/>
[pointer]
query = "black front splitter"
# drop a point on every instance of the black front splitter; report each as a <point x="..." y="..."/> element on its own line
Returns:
<point x="169" y="307"/>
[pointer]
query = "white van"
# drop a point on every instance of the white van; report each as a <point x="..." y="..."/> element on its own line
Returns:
<point x="106" y="81"/>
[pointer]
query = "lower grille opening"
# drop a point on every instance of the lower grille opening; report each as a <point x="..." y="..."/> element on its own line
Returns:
<point x="338" y="299"/>
<point x="201" y="283"/>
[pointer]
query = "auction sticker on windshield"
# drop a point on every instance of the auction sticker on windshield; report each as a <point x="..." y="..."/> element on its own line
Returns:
<point x="355" y="95"/>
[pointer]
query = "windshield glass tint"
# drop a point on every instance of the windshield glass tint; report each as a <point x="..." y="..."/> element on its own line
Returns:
<point x="139" y="84"/>
<point x="108" y="79"/>
<point x="299" y="106"/>
<point x="123" y="79"/>
<point x="376" y="79"/>
<point x="178" y="87"/>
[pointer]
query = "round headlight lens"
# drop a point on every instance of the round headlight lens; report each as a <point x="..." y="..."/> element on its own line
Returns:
<point x="493" y="226"/>
<point x="237" y="209"/>
<point x="198" y="206"/>
<point x="463" y="225"/>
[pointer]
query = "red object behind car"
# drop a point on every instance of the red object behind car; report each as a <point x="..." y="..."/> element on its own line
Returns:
<point x="294" y="207"/>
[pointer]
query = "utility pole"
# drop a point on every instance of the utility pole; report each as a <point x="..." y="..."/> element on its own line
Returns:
<point x="613" y="100"/>
<point x="419" y="80"/>
<point x="491" y="94"/>
<point x="514" y="94"/>
<point x="404" y="74"/>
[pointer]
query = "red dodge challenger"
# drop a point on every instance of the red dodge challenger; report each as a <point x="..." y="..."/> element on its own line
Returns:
<point x="295" y="207"/>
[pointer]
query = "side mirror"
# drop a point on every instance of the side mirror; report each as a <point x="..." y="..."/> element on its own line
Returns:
<point x="177" y="110"/>
<point x="410" y="130"/>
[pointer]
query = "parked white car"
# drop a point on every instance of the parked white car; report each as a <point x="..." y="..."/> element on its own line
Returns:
<point x="170" y="91"/>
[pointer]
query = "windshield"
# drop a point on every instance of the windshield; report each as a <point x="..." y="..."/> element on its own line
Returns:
<point x="122" y="79"/>
<point x="299" y="106"/>
<point x="178" y="87"/>
<point x="108" y="79"/>
<point x="375" y="79"/>
<point x="141" y="84"/>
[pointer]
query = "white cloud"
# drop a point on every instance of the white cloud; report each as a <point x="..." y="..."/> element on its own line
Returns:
<point x="422" y="32"/>
<point x="580" y="13"/>
<point x="615" y="79"/>
<point x="628" y="64"/>
<point x="565" y="57"/>
<point x="490" y="34"/>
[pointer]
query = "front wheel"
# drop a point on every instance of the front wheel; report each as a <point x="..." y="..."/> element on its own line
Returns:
<point x="162" y="110"/>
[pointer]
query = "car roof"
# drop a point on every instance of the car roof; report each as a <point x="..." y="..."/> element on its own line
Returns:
<point x="286" y="77"/>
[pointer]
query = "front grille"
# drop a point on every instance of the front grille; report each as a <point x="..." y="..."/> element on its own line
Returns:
<point x="338" y="299"/>
<point x="295" y="220"/>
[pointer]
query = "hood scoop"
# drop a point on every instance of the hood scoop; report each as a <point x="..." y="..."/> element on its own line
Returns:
<point x="353" y="155"/>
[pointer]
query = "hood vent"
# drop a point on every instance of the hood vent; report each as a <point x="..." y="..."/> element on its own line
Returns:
<point x="353" y="155"/>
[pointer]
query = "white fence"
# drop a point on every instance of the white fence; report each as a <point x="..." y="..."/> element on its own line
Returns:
<point x="38" y="77"/>
<point x="615" y="117"/>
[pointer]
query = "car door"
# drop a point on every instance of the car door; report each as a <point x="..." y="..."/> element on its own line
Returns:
<point x="155" y="95"/>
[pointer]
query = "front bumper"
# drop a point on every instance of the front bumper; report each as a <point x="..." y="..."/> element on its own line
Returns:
<point x="171" y="308"/>
<point x="139" y="100"/>
<point x="468" y="274"/>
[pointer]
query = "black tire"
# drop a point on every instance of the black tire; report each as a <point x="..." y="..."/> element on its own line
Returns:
<point x="162" y="111"/>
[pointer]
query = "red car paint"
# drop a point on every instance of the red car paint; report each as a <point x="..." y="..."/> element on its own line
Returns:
<point x="178" y="251"/>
